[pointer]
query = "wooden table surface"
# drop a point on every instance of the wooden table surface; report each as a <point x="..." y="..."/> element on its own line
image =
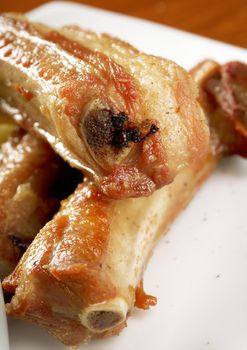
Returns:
<point x="225" y="21"/>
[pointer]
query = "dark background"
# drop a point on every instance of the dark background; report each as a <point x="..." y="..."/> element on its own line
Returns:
<point x="223" y="20"/>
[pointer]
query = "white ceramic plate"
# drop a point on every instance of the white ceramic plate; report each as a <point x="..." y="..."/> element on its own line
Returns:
<point x="199" y="270"/>
<point x="4" y="341"/>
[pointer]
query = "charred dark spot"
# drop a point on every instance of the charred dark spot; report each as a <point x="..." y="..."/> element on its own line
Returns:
<point x="154" y="128"/>
<point x="20" y="244"/>
<point x="120" y="138"/>
<point x="135" y="135"/>
<point x="123" y="136"/>
<point x="119" y="119"/>
<point x="126" y="131"/>
<point x="104" y="127"/>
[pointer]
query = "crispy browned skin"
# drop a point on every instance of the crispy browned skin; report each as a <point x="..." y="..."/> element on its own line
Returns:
<point x="131" y="120"/>
<point x="27" y="168"/>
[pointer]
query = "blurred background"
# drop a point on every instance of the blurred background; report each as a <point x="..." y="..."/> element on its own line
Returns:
<point x="222" y="20"/>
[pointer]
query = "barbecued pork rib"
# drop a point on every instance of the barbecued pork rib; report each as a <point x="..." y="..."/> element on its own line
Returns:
<point x="131" y="120"/>
<point x="223" y="95"/>
<point x="28" y="167"/>
<point x="78" y="278"/>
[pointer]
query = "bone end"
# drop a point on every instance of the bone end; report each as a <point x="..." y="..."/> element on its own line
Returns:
<point x="102" y="317"/>
<point x="203" y="70"/>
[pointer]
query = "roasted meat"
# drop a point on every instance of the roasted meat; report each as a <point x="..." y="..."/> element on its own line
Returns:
<point x="223" y="95"/>
<point x="33" y="180"/>
<point x="28" y="167"/>
<point x="129" y="119"/>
